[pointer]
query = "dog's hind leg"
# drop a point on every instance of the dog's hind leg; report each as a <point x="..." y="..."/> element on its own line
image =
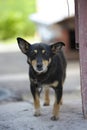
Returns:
<point x="46" y="97"/>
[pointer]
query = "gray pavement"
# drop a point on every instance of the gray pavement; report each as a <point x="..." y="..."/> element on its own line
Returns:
<point x="14" y="84"/>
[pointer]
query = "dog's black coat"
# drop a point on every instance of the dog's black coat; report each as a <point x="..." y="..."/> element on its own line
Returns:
<point x="56" y="69"/>
<point x="56" y="72"/>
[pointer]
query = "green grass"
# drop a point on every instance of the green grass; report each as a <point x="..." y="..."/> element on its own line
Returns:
<point x="14" y="18"/>
<point x="23" y="6"/>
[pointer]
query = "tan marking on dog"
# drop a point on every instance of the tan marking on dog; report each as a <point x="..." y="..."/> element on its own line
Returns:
<point x="55" y="84"/>
<point x="43" y="51"/>
<point x="37" y="105"/>
<point x="36" y="102"/>
<point x="49" y="60"/>
<point x="56" y="108"/>
<point x="35" y="51"/>
<point x="46" y="96"/>
<point x="34" y="62"/>
<point x="45" y="62"/>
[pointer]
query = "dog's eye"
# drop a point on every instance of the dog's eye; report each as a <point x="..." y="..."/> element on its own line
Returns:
<point x="44" y="52"/>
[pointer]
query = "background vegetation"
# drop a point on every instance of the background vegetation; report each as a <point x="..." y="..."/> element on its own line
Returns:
<point x="14" y="18"/>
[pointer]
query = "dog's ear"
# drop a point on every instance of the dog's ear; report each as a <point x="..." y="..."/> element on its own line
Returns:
<point x="56" y="47"/>
<point x="23" y="45"/>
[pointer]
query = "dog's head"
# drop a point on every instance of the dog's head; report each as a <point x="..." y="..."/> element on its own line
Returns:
<point x="39" y="55"/>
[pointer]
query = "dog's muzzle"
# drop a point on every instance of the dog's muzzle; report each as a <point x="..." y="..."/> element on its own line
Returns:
<point x="39" y="67"/>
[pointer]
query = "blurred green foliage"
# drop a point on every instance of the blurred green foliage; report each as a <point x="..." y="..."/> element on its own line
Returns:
<point x="14" y="18"/>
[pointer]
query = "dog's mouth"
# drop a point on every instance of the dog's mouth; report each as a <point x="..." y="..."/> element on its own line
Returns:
<point x="40" y="70"/>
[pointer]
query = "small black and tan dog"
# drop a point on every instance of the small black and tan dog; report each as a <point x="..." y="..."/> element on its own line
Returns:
<point x="47" y="68"/>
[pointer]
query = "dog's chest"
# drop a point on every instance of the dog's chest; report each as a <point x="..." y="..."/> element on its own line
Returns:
<point x="53" y="84"/>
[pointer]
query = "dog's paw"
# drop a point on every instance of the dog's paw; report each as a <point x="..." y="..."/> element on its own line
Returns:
<point x="37" y="113"/>
<point x="54" y="118"/>
<point x="46" y="104"/>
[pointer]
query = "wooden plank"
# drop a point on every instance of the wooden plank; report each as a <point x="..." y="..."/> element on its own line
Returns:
<point x="82" y="31"/>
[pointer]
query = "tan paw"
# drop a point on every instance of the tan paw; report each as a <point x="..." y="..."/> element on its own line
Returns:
<point x="37" y="113"/>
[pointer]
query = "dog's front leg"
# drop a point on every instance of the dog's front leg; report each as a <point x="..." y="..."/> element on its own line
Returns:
<point x="46" y="97"/>
<point x="56" y="108"/>
<point x="35" y="94"/>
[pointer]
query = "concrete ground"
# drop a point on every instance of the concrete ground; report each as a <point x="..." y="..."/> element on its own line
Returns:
<point x="19" y="116"/>
<point x="16" y="105"/>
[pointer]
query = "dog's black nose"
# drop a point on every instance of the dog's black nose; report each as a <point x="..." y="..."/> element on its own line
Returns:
<point x="39" y="66"/>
